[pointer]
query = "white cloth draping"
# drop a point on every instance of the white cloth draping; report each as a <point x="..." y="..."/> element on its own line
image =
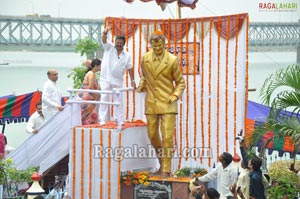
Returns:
<point x="99" y="156"/>
<point x="50" y="144"/>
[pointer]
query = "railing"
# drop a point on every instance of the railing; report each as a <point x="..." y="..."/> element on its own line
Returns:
<point x="116" y="92"/>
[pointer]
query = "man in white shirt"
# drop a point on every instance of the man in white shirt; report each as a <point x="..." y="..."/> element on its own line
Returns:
<point x="51" y="96"/>
<point x="225" y="173"/>
<point x="116" y="60"/>
<point x="36" y="119"/>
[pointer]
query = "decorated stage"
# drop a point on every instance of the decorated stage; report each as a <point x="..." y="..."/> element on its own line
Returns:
<point x="98" y="155"/>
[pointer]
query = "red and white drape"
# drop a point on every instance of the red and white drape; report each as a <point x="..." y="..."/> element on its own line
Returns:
<point x="213" y="107"/>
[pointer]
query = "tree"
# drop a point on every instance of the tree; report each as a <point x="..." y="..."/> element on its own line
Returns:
<point x="85" y="47"/>
<point x="281" y="91"/>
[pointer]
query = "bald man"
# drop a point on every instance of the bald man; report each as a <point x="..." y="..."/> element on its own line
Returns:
<point x="51" y="96"/>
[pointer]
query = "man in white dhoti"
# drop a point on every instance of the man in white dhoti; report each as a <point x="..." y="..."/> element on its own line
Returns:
<point x="51" y="96"/>
<point x="116" y="60"/>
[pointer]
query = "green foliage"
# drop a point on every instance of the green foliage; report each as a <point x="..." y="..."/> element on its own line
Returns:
<point x="285" y="84"/>
<point x="86" y="47"/>
<point x="185" y="171"/>
<point x="77" y="74"/>
<point x="281" y="188"/>
<point x="281" y="92"/>
<point x="8" y="173"/>
<point x="198" y="172"/>
<point x="284" y="181"/>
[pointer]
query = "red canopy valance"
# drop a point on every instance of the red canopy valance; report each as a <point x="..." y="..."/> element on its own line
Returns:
<point x="227" y="26"/>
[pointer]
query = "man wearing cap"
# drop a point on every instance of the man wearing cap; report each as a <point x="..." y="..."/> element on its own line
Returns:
<point x="164" y="84"/>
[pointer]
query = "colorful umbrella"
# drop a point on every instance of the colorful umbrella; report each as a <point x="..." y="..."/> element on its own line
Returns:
<point x="162" y="3"/>
<point x="256" y="116"/>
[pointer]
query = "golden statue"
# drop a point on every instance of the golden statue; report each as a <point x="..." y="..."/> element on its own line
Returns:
<point x="160" y="70"/>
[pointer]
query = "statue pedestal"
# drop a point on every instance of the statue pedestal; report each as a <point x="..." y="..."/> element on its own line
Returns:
<point x="159" y="188"/>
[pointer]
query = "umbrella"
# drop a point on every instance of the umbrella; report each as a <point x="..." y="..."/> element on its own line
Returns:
<point x="163" y="3"/>
<point x="256" y="116"/>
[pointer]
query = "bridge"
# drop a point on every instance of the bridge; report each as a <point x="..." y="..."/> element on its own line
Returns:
<point x="45" y="33"/>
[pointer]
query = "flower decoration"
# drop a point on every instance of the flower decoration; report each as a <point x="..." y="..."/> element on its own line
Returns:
<point x="136" y="177"/>
<point x="183" y="172"/>
<point x="187" y="172"/>
<point x="198" y="172"/>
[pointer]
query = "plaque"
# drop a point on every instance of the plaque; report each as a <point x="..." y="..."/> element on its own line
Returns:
<point x="155" y="190"/>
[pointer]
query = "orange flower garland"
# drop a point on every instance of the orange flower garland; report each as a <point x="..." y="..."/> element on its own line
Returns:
<point x="133" y="67"/>
<point x="226" y="85"/>
<point x="209" y="88"/>
<point x="101" y="166"/>
<point x="246" y="98"/>
<point x="90" y="163"/>
<point x="82" y="164"/>
<point x="109" y="165"/>
<point x="202" y="85"/>
<point x="235" y="80"/>
<point x="119" y="164"/>
<point x="218" y="90"/>
<point x="73" y="162"/>
<point x="195" y="92"/>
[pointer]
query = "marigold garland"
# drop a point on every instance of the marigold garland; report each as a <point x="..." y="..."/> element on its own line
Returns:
<point x="101" y="166"/>
<point x="187" y="90"/>
<point x="109" y="165"/>
<point x="140" y="49"/>
<point x="226" y="83"/>
<point x="194" y="89"/>
<point x="73" y="162"/>
<point x="235" y="80"/>
<point x="90" y="162"/>
<point x="246" y="86"/>
<point x="82" y="165"/>
<point x="181" y="108"/>
<point x="202" y="85"/>
<point x="218" y="88"/>
<point x="119" y="164"/>
<point x="133" y="67"/>
<point x="126" y="76"/>
<point x="209" y="87"/>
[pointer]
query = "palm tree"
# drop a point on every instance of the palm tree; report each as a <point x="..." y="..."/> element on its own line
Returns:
<point x="281" y="91"/>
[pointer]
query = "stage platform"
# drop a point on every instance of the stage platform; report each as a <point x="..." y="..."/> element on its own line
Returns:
<point x="99" y="153"/>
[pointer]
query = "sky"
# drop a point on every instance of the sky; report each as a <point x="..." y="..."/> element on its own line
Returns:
<point x="99" y="9"/>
